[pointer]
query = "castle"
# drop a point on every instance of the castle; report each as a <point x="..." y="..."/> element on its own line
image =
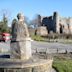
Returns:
<point x="57" y="24"/>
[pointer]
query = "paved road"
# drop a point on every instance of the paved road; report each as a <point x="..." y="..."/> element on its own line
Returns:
<point x="43" y="46"/>
<point x="4" y="47"/>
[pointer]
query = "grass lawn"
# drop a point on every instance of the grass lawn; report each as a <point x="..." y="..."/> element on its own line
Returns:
<point x="45" y="39"/>
<point x="66" y="41"/>
<point x="62" y="64"/>
<point x="37" y="38"/>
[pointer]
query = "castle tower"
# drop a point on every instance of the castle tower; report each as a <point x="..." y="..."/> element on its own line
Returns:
<point x="56" y="23"/>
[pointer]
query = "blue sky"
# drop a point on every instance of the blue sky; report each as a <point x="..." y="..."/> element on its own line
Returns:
<point x="32" y="7"/>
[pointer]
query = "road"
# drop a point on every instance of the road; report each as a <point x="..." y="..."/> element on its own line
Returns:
<point x="4" y="47"/>
<point x="43" y="46"/>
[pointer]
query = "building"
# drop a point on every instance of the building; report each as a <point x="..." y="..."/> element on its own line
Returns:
<point x="57" y="24"/>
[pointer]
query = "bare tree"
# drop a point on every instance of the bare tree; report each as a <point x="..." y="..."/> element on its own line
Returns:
<point x="36" y="22"/>
<point x="5" y="12"/>
<point x="4" y="22"/>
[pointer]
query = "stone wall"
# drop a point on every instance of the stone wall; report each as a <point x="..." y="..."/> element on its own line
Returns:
<point x="48" y="22"/>
<point x="39" y="66"/>
<point x="43" y="68"/>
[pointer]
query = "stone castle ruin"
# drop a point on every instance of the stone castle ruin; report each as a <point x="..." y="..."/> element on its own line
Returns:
<point x="57" y="24"/>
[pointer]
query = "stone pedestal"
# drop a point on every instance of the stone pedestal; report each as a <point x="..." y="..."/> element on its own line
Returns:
<point x="21" y="49"/>
<point x="16" y="65"/>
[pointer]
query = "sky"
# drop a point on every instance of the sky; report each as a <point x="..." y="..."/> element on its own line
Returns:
<point x="32" y="7"/>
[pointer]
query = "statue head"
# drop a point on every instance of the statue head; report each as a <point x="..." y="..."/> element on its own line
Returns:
<point x="20" y="17"/>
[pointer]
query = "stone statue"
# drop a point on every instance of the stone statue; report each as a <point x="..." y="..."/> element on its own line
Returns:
<point x="21" y="42"/>
<point x="19" y="29"/>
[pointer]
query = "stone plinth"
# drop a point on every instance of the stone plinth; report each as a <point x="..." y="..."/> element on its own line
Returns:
<point x="21" y="49"/>
<point x="33" y="65"/>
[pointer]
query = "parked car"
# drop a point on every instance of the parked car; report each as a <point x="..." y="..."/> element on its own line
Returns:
<point x="5" y="37"/>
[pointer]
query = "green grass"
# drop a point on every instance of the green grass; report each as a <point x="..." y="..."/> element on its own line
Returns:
<point x="40" y="38"/>
<point x="67" y="41"/>
<point x="37" y="38"/>
<point x="62" y="64"/>
<point x="44" y="39"/>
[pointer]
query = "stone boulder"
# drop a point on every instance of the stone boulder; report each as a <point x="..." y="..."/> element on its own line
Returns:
<point x="41" y="31"/>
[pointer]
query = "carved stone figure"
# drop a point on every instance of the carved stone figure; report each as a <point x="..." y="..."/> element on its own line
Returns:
<point x="21" y="42"/>
<point x="19" y="29"/>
